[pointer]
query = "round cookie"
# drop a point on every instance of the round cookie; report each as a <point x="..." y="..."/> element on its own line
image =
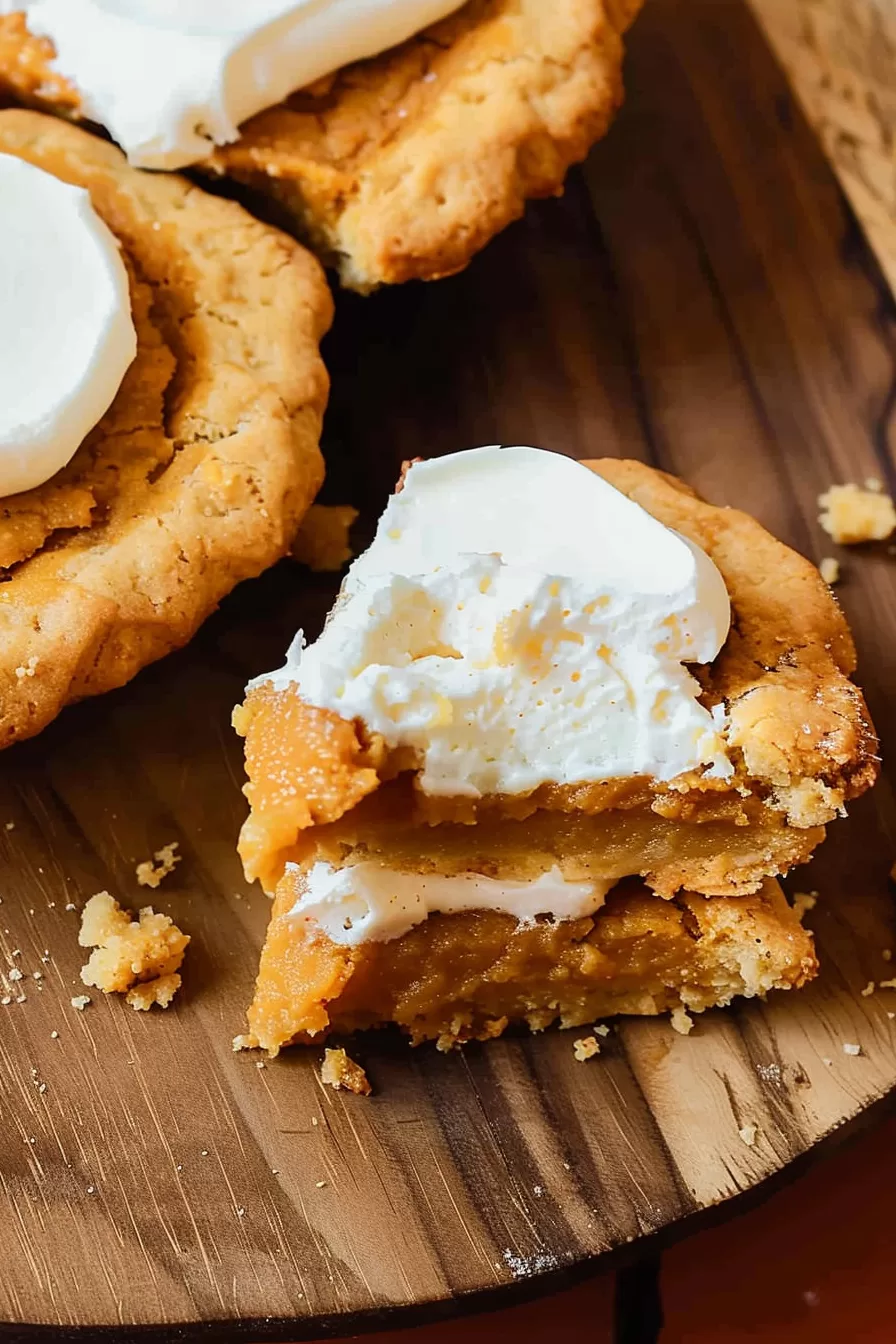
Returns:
<point x="202" y="469"/>
<point x="403" y="166"/>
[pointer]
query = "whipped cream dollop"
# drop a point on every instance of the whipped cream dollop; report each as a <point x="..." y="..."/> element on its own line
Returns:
<point x="170" y="79"/>
<point x="67" y="336"/>
<point x="368" y="902"/>
<point x="518" y="621"/>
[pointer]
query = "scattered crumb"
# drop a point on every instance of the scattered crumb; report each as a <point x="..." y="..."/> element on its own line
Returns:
<point x="80" y="1001"/>
<point x="15" y="974"/>
<point x="829" y="1062"/>
<point x="850" y="1049"/>
<point x="54" y="1035"/>
<point x="829" y="569"/>
<point x="241" y="1212"/>
<point x="887" y="984"/>
<point x="320" y="1184"/>
<point x="203" y="1152"/>
<point x="585" y="1048"/>
<point x="337" y="1070"/>
<point x="887" y="954"/>
<point x="10" y="826"/>
<point x="869" y="989"/>
<point x="28" y="670"/>
<point x="91" y="1189"/>
<point x="153" y="871"/>
<point x="748" y="1134"/>
<point x="314" y="1120"/>
<point x="70" y="905"/>
<point x="135" y="957"/>
<point x="259" y="1063"/>
<point x="681" y="1021"/>
<point x="322" y="541"/>
<point x="804" y="901"/>
<point x="891" y="1015"/>
<point x="851" y="515"/>
<point x="602" y="1030"/>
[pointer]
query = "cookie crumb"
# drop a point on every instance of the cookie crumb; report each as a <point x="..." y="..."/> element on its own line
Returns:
<point x="155" y="870"/>
<point x="681" y="1021"/>
<point x="851" y="515"/>
<point x="322" y="540"/>
<point x="887" y="984"/>
<point x="586" y="1047"/>
<point x="28" y="670"/>
<point x="602" y="1029"/>
<point x="748" y="1135"/>
<point x="338" y="1071"/>
<point x="135" y="957"/>
<point x="850" y="1049"/>
<point x="804" y="901"/>
<point x="54" y="1035"/>
<point x="868" y="990"/>
<point x="829" y="569"/>
<point x="80" y="1001"/>
<point x="887" y="953"/>
<point x="14" y="973"/>
<point x="320" y="1184"/>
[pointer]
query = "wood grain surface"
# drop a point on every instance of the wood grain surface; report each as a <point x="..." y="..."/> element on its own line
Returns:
<point x="840" y="56"/>
<point x="701" y="299"/>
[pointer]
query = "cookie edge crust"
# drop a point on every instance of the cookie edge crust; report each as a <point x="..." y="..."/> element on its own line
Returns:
<point x="99" y="630"/>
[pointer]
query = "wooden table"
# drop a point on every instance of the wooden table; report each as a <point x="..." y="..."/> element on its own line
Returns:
<point x="703" y="299"/>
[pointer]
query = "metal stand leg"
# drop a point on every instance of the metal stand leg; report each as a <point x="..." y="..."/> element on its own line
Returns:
<point x="638" y="1308"/>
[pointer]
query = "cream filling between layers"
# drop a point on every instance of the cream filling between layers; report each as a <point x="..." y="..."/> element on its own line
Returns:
<point x="368" y="902"/>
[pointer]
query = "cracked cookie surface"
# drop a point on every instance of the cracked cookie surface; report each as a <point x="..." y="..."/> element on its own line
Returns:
<point x="402" y="167"/>
<point x="200" y="472"/>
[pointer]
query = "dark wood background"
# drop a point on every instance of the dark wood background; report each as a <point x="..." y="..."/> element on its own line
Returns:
<point x="699" y="299"/>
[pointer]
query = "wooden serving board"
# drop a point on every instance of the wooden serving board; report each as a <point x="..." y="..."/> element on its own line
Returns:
<point x="700" y="299"/>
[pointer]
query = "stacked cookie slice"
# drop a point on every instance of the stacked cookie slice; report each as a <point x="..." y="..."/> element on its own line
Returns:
<point x="561" y="733"/>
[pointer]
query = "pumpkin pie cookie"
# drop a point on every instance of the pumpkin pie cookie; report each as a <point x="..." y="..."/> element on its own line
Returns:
<point x="200" y="471"/>
<point x="403" y="166"/>
<point x="545" y="770"/>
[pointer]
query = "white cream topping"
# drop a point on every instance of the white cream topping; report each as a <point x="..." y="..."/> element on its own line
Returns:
<point x="367" y="902"/>
<point x="518" y="621"/>
<point x="66" y="332"/>
<point x="170" y="79"/>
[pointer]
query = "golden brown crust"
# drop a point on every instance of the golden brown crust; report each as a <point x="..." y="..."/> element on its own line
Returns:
<point x="796" y="720"/>
<point x="800" y="736"/>
<point x="466" y="976"/>
<point x="404" y="166"/>
<point x="201" y="470"/>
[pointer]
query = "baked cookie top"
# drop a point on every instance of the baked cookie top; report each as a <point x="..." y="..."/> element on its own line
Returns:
<point x="798" y="734"/>
<point x="403" y="166"/>
<point x="200" y="472"/>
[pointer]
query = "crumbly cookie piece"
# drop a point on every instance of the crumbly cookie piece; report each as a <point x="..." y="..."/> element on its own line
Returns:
<point x="152" y="872"/>
<point x="202" y="469"/>
<point x="139" y="958"/>
<point x="851" y="514"/>
<point x="404" y="166"/>
<point x="338" y="1070"/>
